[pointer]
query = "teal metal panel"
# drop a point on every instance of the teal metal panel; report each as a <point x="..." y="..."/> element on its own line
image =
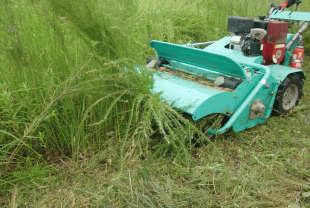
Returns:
<point x="242" y="110"/>
<point x="220" y="103"/>
<point x="238" y="56"/>
<point x="280" y="72"/>
<point x="291" y="16"/>
<point x="227" y="103"/>
<point x="277" y="74"/>
<point x="199" y="58"/>
<point x="181" y="93"/>
<point x="267" y="96"/>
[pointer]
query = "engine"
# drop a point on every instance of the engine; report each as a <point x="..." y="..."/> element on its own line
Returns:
<point x="259" y="37"/>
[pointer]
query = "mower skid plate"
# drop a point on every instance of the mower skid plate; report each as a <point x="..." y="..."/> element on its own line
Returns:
<point x="198" y="58"/>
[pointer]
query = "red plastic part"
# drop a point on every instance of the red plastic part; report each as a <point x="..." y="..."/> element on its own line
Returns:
<point x="274" y="46"/>
<point x="283" y="5"/>
<point x="277" y="32"/>
<point x="297" y="58"/>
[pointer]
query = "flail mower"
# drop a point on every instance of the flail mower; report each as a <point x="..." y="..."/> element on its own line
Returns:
<point x="243" y="77"/>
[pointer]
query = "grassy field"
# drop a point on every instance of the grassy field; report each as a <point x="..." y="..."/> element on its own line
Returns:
<point x="79" y="126"/>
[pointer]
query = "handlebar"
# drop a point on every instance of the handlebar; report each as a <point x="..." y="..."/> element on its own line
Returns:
<point x="288" y="4"/>
<point x="281" y="7"/>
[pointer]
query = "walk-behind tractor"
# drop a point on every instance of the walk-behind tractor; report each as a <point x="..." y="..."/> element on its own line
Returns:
<point x="244" y="77"/>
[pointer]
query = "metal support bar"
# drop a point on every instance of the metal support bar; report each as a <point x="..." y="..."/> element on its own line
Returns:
<point x="302" y="28"/>
<point x="200" y="44"/>
<point x="272" y="8"/>
<point x="248" y="100"/>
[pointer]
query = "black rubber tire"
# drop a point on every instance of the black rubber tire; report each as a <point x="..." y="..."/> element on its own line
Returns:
<point x="223" y="120"/>
<point x="288" y="95"/>
<point x="150" y="59"/>
<point x="160" y="62"/>
<point x="220" y="119"/>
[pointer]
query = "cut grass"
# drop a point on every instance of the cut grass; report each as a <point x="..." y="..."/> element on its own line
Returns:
<point x="241" y="170"/>
<point x="194" y="78"/>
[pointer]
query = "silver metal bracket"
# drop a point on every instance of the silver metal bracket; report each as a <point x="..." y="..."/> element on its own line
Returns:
<point x="256" y="110"/>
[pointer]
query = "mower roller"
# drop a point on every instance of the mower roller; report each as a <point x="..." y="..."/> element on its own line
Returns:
<point x="245" y="76"/>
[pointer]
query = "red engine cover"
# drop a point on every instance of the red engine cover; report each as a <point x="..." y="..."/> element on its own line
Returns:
<point x="275" y="43"/>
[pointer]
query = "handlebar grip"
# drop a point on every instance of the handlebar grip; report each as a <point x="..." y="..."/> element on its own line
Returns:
<point x="284" y="4"/>
<point x="288" y="4"/>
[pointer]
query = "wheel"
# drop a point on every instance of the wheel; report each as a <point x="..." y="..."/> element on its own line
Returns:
<point x="288" y="95"/>
<point x="214" y="121"/>
<point x="160" y="62"/>
<point x="150" y="59"/>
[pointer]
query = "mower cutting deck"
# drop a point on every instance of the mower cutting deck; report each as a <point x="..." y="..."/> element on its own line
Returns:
<point x="245" y="76"/>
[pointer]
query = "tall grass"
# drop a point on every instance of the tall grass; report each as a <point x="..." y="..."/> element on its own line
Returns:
<point x="67" y="67"/>
<point x="68" y="82"/>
